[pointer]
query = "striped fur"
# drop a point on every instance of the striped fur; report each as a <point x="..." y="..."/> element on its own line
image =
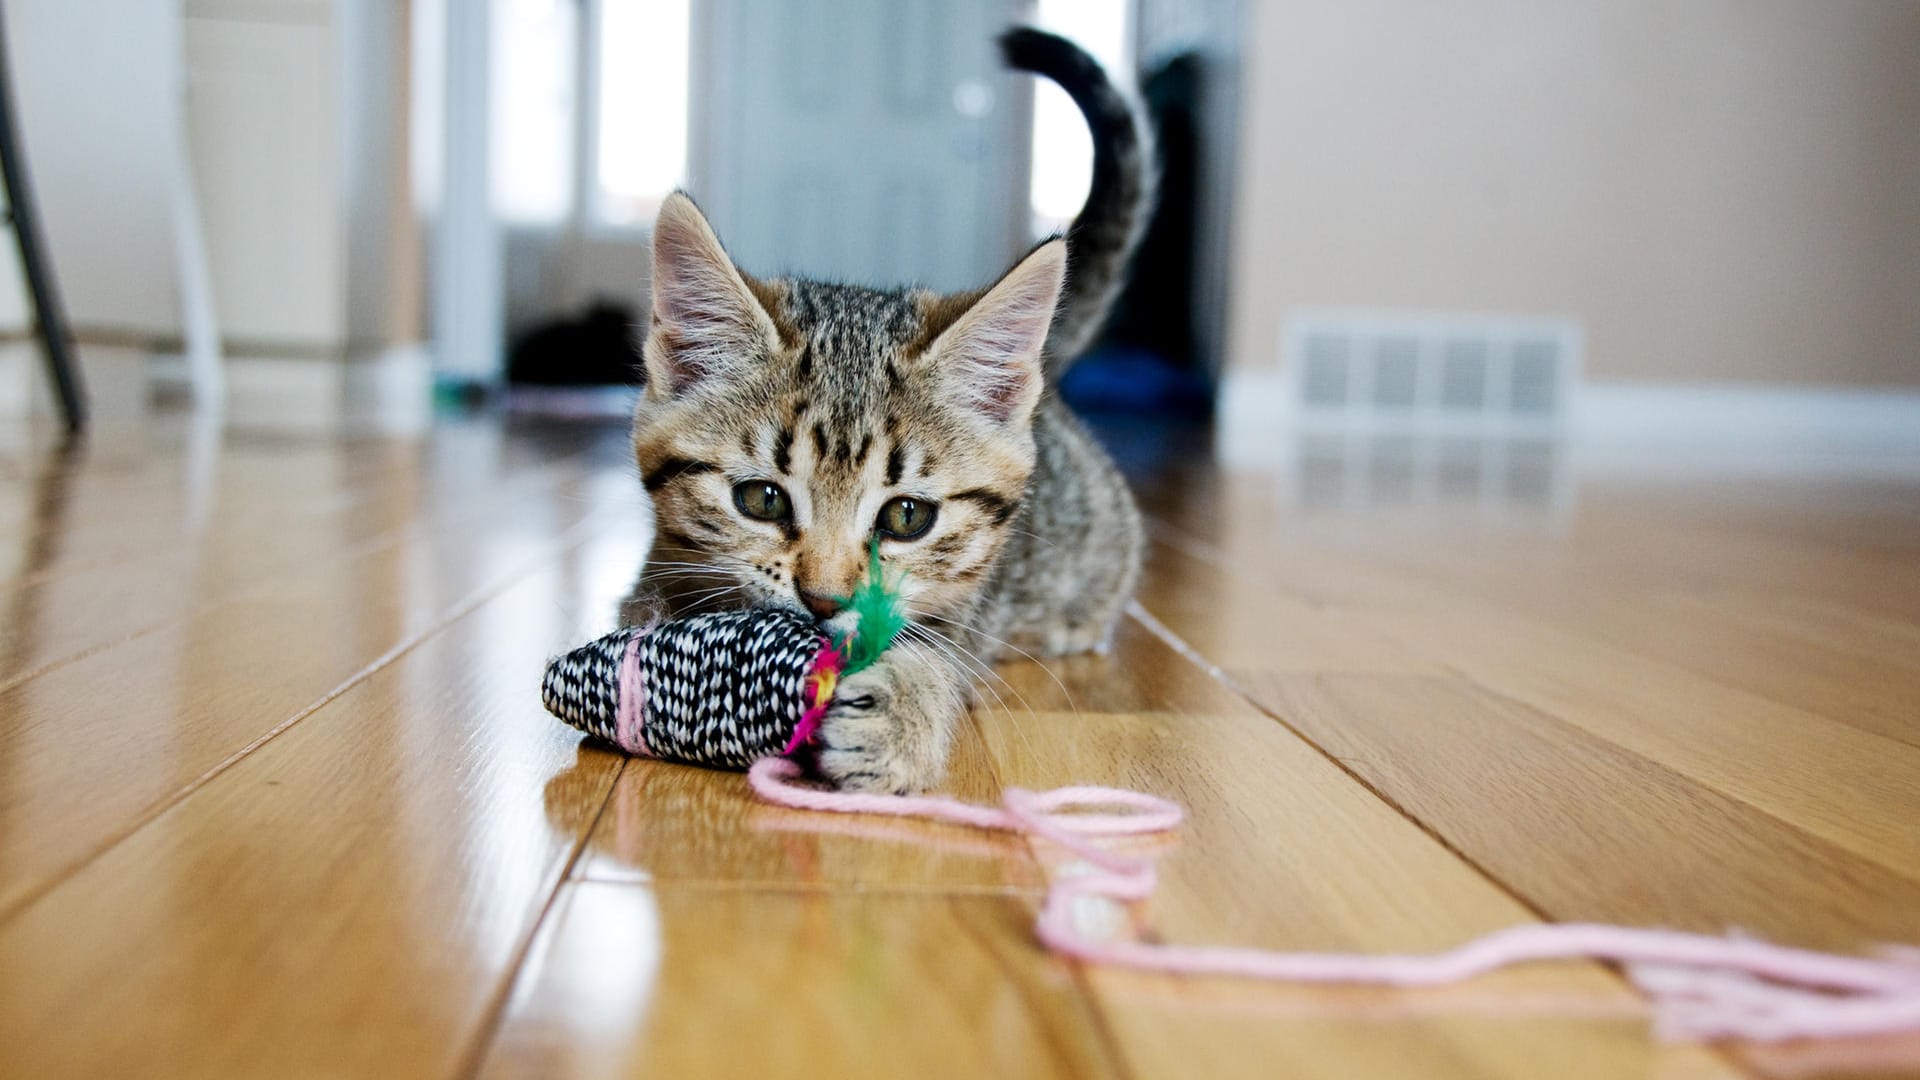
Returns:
<point x="847" y="397"/>
<point x="1103" y="236"/>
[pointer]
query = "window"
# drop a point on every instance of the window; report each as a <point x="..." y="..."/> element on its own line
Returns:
<point x="640" y="97"/>
<point x="531" y="143"/>
<point x="1062" y="149"/>
<point x="631" y="144"/>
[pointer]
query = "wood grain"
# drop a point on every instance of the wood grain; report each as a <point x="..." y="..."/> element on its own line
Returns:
<point x="1793" y="664"/>
<point x="85" y="507"/>
<point x="55" y="617"/>
<point x="1283" y="850"/>
<point x="349" y="899"/>
<point x="96" y="746"/>
<point x="671" y="824"/>
<point x="1611" y="742"/>
<point x="754" y="984"/>
<point x="1852" y="788"/>
<point x="1506" y="784"/>
<point x="277" y="796"/>
<point x="1837" y="780"/>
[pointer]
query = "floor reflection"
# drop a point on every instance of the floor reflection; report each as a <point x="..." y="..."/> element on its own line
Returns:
<point x="1495" y="474"/>
<point x="39" y="544"/>
<point x="1529" y="479"/>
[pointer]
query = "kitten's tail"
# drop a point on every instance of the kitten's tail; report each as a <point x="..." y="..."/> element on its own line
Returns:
<point x="1101" y="240"/>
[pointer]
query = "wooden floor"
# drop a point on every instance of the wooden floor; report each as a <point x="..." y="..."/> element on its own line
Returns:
<point x="278" y="798"/>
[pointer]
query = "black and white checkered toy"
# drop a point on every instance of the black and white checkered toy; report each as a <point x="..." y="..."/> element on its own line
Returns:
<point x="723" y="689"/>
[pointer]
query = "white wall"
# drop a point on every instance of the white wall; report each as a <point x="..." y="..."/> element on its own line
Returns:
<point x="98" y="90"/>
<point x="291" y="111"/>
<point x="265" y="131"/>
<point x="371" y="69"/>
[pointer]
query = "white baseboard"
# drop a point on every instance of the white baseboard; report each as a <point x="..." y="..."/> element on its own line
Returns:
<point x="391" y="391"/>
<point x="1613" y="418"/>
<point x="113" y="377"/>
<point x="1813" y="418"/>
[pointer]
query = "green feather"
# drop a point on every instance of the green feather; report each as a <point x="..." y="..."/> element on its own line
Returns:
<point x="878" y="619"/>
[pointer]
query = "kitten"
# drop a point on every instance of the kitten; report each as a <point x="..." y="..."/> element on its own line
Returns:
<point x="787" y="425"/>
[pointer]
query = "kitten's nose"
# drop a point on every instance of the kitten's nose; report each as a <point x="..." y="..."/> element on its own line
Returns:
<point x="823" y="607"/>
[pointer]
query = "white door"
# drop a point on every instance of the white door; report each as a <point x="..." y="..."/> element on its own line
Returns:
<point x="872" y="141"/>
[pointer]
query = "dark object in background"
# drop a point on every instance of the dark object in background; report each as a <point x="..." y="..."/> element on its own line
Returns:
<point x="1148" y="359"/>
<point x="598" y="347"/>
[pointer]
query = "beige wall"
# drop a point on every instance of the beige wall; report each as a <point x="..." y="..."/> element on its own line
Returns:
<point x="1718" y="189"/>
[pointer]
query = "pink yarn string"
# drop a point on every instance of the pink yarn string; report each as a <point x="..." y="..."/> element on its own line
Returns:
<point x="630" y="707"/>
<point x="1700" y="987"/>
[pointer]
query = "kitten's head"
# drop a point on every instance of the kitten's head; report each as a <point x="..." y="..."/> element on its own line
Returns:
<point x="789" y="425"/>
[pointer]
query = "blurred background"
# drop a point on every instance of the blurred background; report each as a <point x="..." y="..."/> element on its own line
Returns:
<point x="1388" y="226"/>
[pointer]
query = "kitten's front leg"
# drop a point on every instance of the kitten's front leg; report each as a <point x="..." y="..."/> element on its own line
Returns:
<point x="891" y="725"/>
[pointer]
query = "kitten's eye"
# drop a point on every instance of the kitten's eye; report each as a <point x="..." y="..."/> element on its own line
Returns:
<point x="760" y="499"/>
<point x="906" y="518"/>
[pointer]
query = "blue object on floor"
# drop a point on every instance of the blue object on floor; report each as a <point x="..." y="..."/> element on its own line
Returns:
<point x="1127" y="379"/>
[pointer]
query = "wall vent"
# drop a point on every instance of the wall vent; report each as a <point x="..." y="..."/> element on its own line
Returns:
<point x="1465" y="373"/>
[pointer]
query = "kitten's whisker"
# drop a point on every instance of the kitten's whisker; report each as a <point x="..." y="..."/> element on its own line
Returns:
<point x="708" y="598"/>
<point x="673" y="585"/>
<point x="956" y="651"/>
<point x="1003" y="643"/>
<point x="974" y="668"/>
<point x="685" y="605"/>
<point x="973" y="662"/>
<point x="967" y="662"/>
<point x="982" y="673"/>
<point x="675" y="573"/>
<point x="1029" y="532"/>
<point x="711" y="565"/>
<point x="706" y="557"/>
<point x="985" y="665"/>
<point x="716" y="561"/>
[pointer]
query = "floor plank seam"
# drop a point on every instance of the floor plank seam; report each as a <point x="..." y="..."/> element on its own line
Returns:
<point x="1476" y="593"/>
<point x="1161" y="532"/>
<point x="1076" y="972"/>
<point x="1653" y="765"/>
<point x="495" y="1014"/>
<point x="1181" y="646"/>
<point x="1200" y="549"/>
<point x="265" y="581"/>
<point x="119" y="557"/>
<point x="1103" y="1021"/>
<point x="1159" y="629"/>
<point x="1082" y="978"/>
<point x="1523" y="615"/>
<point x="470" y="604"/>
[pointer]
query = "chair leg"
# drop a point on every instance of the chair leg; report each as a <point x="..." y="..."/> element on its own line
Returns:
<point x="48" y="313"/>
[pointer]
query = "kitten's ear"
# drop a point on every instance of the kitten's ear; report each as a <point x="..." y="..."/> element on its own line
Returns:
<point x="991" y="354"/>
<point x="707" y="324"/>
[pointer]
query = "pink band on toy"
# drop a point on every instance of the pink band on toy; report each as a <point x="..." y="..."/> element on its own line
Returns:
<point x="822" y="678"/>
<point x="630" y="713"/>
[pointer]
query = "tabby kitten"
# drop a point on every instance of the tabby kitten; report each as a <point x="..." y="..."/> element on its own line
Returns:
<point x="788" y="425"/>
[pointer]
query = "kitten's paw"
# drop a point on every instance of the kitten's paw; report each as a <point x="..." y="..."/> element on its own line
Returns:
<point x="880" y="734"/>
